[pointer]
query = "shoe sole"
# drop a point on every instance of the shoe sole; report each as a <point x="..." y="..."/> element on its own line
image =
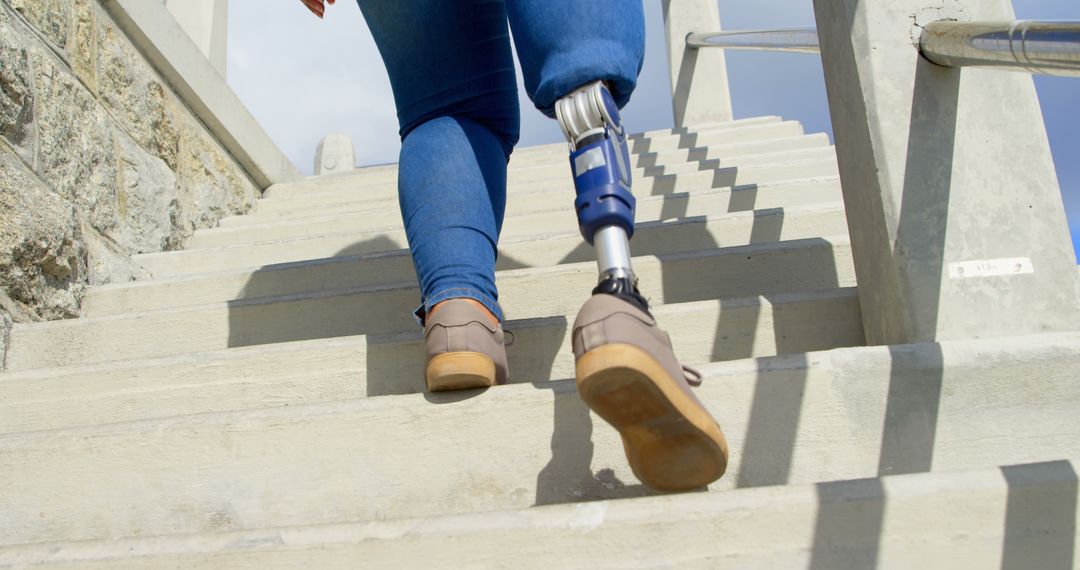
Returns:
<point x="671" y="442"/>
<point x="460" y="371"/>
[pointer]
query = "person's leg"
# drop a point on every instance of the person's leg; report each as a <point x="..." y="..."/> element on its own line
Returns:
<point x="452" y="73"/>
<point x="452" y="192"/>
<point x="565" y="44"/>
<point x="572" y="55"/>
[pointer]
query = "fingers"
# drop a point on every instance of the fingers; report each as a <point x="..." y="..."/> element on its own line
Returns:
<point x="316" y="6"/>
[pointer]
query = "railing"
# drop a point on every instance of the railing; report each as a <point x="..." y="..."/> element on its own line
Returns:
<point x="1047" y="48"/>
<point x="794" y="40"/>
<point x="955" y="213"/>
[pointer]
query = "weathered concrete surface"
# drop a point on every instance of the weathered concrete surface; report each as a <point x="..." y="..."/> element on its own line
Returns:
<point x="82" y="47"/>
<point x="148" y="200"/>
<point x="339" y="272"/>
<point x="744" y="197"/>
<point x="206" y="23"/>
<point x="211" y="186"/>
<point x="335" y="154"/>
<point x="100" y="159"/>
<point x="987" y="518"/>
<point x="355" y="367"/>
<point x="132" y="92"/>
<point x="6" y="324"/>
<point x="75" y="143"/>
<point x="802" y="419"/>
<point x="190" y="262"/>
<point x="42" y="256"/>
<point x="737" y="141"/>
<point x="558" y="216"/>
<point x="52" y="18"/>
<point x="764" y="269"/>
<point x="955" y="212"/>
<point x="16" y="94"/>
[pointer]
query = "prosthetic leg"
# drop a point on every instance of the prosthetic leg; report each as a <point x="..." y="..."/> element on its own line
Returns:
<point x="625" y="367"/>
<point x="600" y="162"/>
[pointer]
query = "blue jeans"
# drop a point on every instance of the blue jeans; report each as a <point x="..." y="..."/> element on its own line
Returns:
<point x="452" y="73"/>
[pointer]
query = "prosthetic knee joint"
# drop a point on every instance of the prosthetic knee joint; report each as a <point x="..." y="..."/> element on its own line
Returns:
<point x="600" y="162"/>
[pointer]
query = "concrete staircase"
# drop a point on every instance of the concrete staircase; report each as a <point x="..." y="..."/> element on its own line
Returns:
<point x="260" y="402"/>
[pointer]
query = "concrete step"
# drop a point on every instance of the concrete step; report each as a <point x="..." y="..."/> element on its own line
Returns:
<point x="332" y="194"/>
<point x="553" y="214"/>
<point x="382" y="183"/>
<point x="1017" y="516"/>
<point x="326" y="370"/>
<point x="807" y="418"/>
<point x="554" y="154"/>
<point x="557" y="152"/>
<point x="654" y="185"/>
<point x="543" y="151"/>
<point x="721" y="152"/>
<point x="775" y="268"/>
<point x="175" y="263"/>
<point x="650" y="238"/>
<point x="558" y="196"/>
<point x="560" y="171"/>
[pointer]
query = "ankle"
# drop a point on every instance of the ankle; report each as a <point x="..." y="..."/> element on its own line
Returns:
<point x="491" y="317"/>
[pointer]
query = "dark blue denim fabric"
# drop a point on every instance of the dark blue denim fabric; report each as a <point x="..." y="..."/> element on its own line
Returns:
<point x="452" y="73"/>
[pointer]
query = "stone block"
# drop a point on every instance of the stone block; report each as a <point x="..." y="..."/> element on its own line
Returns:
<point x="42" y="260"/>
<point x="211" y="184"/>
<point x="147" y="199"/>
<point x="82" y="47"/>
<point x="106" y="262"/>
<point x="5" y="331"/>
<point x="134" y="94"/>
<point x="16" y="94"/>
<point x="75" y="147"/>
<point x="50" y="17"/>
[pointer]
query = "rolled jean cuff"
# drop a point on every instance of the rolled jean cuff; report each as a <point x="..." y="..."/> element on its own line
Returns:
<point x="457" y="293"/>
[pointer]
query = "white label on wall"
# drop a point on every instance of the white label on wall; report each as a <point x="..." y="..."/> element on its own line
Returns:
<point x="991" y="268"/>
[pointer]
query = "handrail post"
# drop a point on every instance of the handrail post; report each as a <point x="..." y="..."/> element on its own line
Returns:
<point x="955" y="214"/>
<point x="206" y="23"/>
<point x="699" y="83"/>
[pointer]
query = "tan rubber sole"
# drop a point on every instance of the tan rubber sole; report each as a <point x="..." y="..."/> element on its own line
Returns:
<point x="459" y="371"/>
<point x="671" y="442"/>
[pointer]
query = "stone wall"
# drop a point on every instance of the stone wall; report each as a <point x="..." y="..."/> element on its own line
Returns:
<point x="99" y="160"/>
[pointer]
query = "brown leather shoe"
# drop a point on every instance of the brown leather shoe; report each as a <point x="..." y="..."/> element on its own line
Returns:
<point x="464" y="350"/>
<point x="628" y="374"/>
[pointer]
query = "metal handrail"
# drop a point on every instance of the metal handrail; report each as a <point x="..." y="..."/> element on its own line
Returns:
<point x="795" y="40"/>
<point x="1047" y="48"/>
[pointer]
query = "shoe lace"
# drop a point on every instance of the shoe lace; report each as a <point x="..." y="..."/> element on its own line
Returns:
<point x="692" y="375"/>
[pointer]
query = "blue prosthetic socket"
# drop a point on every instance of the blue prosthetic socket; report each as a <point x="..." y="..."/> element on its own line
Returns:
<point x="600" y="161"/>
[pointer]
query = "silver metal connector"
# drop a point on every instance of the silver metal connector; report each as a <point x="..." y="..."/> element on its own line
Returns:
<point x="582" y="113"/>
<point x="613" y="253"/>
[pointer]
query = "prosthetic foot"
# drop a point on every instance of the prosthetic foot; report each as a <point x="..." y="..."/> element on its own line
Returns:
<point x="626" y="369"/>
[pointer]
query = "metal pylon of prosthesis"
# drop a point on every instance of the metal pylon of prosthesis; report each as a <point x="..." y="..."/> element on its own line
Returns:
<point x="600" y="162"/>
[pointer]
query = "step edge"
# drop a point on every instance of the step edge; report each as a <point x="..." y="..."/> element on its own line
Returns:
<point x="681" y="508"/>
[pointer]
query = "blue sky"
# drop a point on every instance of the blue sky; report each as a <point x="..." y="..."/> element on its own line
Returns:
<point x="303" y="78"/>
